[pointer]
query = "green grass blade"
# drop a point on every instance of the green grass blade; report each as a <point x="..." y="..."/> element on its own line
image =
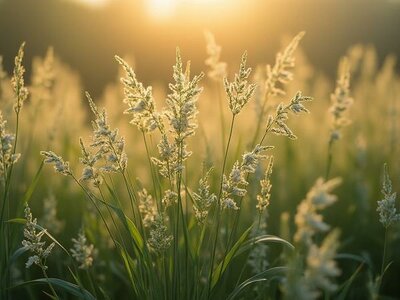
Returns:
<point x="69" y="287"/>
<point x="263" y="276"/>
<point x="217" y="274"/>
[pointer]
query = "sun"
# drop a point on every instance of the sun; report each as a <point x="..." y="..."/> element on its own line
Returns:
<point x="162" y="8"/>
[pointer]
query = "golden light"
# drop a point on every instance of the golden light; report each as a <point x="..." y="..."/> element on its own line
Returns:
<point x="162" y="8"/>
<point x="166" y="8"/>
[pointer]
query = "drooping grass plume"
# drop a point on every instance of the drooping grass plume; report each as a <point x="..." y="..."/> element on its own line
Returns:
<point x="140" y="101"/>
<point x="312" y="268"/>
<point x="50" y="219"/>
<point x="308" y="220"/>
<point x="276" y="123"/>
<point x="217" y="67"/>
<point x="60" y="166"/>
<point x="281" y="71"/>
<point x="82" y="252"/>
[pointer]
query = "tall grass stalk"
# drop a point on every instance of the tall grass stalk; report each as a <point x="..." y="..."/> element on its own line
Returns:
<point x="218" y="208"/>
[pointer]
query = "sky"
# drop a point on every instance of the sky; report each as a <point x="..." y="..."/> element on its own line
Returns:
<point x="86" y="34"/>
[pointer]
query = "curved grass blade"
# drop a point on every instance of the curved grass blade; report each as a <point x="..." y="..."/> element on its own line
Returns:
<point x="263" y="276"/>
<point x="263" y="239"/>
<point x="228" y="258"/>
<point x="346" y="286"/>
<point x="69" y="287"/>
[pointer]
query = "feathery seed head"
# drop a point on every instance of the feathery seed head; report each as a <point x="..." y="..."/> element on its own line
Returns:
<point x="108" y="144"/>
<point x="33" y="241"/>
<point x="60" y="166"/>
<point x="181" y="102"/>
<point x="7" y="155"/>
<point x="321" y="266"/>
<point x="82" y="251"/>
<point x="140" y="101"/>
<point x="281" y="72"/>
<point x="387" y="206"/>
<point x="236" y="183"/>
<point x="49" y="218"/>
<point x="265" y="195"/>
<point x="239" y="91"/>
<point x="341" y="100"/>
<point x="307" y="218"/>
<point x="217" y="68"/>
<point x="160" y="239"/>
<point x="147" y="208"/>
<point x="17" y="80"/>
<point x="170" y="198"/>
<point x="43" y="74"/>
<point x="203" y="199"/>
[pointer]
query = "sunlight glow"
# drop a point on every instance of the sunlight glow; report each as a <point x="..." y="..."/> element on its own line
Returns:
<point x="166" y="8"/>
<point x="162" y="8"/>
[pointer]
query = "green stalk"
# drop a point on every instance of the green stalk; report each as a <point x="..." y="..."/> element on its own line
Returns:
<point x="329" y="159"/>
<point x="383" y="261"/>
<point x="90" y="277"/>
<point x="221" y="116"/>
<point x="50" y="285"/>
<point x="158" y="199"/>
<point x="6" y="207"/>
<point x="236" y="220"/>
<point x="218" y="208"/>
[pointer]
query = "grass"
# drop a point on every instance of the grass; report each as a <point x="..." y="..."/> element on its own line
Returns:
<point x="155" y="210"/>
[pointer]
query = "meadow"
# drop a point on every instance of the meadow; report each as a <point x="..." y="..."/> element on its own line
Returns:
<point x="243" y="182"/>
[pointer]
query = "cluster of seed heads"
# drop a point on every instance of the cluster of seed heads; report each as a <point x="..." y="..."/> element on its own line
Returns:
<point x="281" y="72"/>
<point x="7" y="155"/>
<point x="82" y="251"/>
<point x="141" y="105"/>
<point x="239" y="91"/>
<point x="387" y="206"/>
<point x="203" y="199"/>
<point x="217" y="67"/>
<point x="341" y="101"/>
<point x="33" y="241"/>
<point x="235" y="184"/>
<point x="17" y="81"/>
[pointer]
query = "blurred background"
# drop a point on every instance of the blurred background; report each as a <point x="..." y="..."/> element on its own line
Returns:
<point x="86" y="34"/>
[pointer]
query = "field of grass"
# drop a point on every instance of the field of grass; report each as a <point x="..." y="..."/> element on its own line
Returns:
<point x="242" y="182"/>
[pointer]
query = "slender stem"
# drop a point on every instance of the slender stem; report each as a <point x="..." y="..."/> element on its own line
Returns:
<point x="218" y="208"/>
<point x="97" y="208"/>
<point x="267" y="130"/>
<point x="222" y="117"/>
<point x="50" y="285"/>
<point x="152" y="172"/>
<point x="259" y="123"/>
<point x="6" y="205"/>
<point x="329" y="159"/>
<point x="384" y="256"/>
<point x="89" y="275"/>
